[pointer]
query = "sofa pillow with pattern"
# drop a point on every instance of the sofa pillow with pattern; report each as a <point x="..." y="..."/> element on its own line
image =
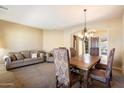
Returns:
<point x="19" y="56"/>
<point x="12" y="57"/>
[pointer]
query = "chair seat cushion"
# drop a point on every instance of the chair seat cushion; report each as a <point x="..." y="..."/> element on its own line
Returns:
<point x="74" y="69"/>
<point x="98" y="75"/>
<point x="100" y="66"/>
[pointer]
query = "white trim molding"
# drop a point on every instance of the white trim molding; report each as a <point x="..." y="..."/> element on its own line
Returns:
<point x="118" y="68"/>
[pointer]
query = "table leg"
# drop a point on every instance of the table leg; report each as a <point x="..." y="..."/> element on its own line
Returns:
<point x="81" y="78"/>
<point x="86" y="78"/>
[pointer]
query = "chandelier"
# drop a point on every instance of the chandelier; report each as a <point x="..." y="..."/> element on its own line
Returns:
<point x="87" y="33"/>
<point x="85" y="28"/>
<point x="84" y="32"/>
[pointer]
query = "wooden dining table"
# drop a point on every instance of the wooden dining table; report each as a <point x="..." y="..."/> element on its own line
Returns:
<point x="84" y="63"/>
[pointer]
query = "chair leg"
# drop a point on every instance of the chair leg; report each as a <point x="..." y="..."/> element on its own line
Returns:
<point x="80" y="83"/>
<point x="57" y="85"/>
<point x="108" y="85"/>
<point x="111" y="76"/>
<point x="81" y="79"/>
<point x="90" y="81"/>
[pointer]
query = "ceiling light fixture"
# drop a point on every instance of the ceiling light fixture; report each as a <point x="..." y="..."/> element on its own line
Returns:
<point x="84" y="32"/>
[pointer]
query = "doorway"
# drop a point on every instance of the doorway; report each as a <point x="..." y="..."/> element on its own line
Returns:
<point x="103" y="44"/>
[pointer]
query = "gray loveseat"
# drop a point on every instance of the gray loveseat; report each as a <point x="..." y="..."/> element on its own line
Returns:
<point x="22" y="58"/>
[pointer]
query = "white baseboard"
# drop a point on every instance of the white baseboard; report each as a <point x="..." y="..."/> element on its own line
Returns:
<point x="117" y="68"/>
<point x="123" y="71"/>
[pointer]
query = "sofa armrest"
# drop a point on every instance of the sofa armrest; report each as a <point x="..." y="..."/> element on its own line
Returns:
<point x="7" y="60"/>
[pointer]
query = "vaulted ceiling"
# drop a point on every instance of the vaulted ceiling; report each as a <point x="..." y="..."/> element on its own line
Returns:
<point x="57" y="16"/>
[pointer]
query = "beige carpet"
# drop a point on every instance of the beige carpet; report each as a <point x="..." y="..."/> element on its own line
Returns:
<point x="43" y="76"/>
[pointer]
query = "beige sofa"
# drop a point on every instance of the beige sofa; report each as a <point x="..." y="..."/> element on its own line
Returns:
<point x="23" y="58"/>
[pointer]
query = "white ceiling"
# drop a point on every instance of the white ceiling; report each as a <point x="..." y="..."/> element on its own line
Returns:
<point x="57" y="17"/>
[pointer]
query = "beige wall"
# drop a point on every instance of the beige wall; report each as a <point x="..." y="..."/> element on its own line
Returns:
<point x="123" y="42"/>
<point x="52" y="39"/>
<point x="114" y="28"/>
<point x="17" y="37"/>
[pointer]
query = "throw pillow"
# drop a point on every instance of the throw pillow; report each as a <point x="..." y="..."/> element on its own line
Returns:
<point x="34" y="55"/>
<point x="19" y="56"/>
<point x="41" y="55"/>
<point x="12" y="57"/>
<point x="50" y="55"/>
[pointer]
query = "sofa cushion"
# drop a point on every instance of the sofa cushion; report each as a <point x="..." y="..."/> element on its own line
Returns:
<point x="26" y="54"/>
<point x="32" y="59"/>
<point x="19" y="56"/>
<point x="18" y="61"/>
<point x="28" y="59"/>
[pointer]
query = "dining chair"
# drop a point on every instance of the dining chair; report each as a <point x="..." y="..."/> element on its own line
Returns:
<point x="103" y="66"/>
<point x="94" y="51"/>
<point x="73" y="52"/>
<point x="101" y="75"/>
<point x="64" y="77"/>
